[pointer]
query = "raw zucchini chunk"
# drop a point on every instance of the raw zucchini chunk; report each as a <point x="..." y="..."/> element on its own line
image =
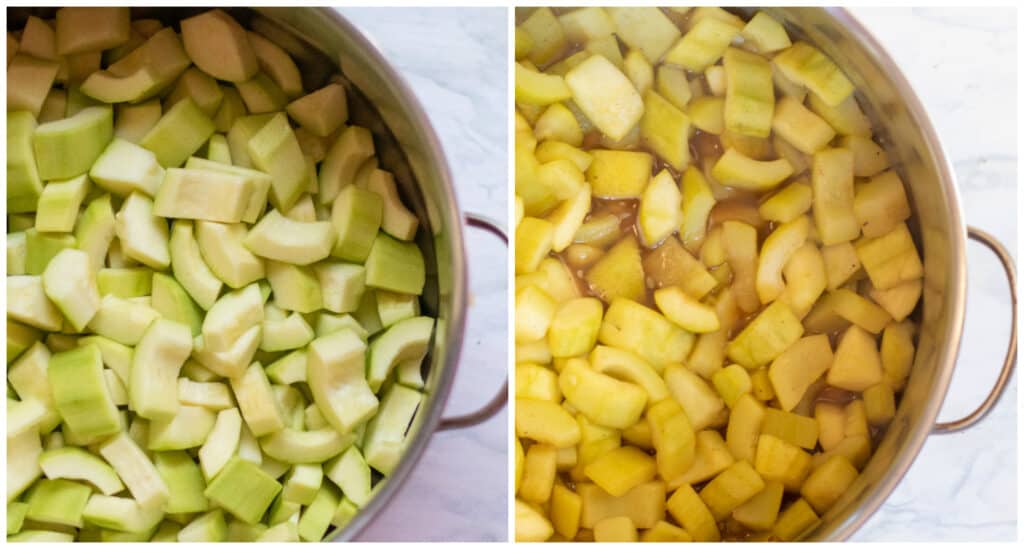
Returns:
<point x="241" y="131"/>
<point x="40" y="248"/>
<point x="257" y="181"/>
<point x="353" y="146"/>
<point x="143" y="235"/>
<point x="122" y="320"/>
<point x="70" y="283"/>
<point x="261" y="94"/>
<point x="23" y="183"/>
<point x="224" y="252"/>
<point x="335" y="373"/>
<point x="219" y="46"/>
<point x="341" y="285"/>
<point x="136" y="470"/>
<point x="91" y="29"/>
<point x="188" y="428"/>
<point x="397" y="220"/>
<point x="406" y="341"/>
<point x="77" y="464"/>
<point x="232" y="362"/>
<point x="80" y="392"/>
<point x="352" y="474"/>
<point x="276" y="63"/>
<point x="202" y="194"/>
<point x="386" y="432"/>
<point x="161" y="55"/>
<point x="806" y="65"/>
<point x="153" y="385"/>
<point x="316" y="446"/>
<point x="125" y="167"/>
<point x="274" y="150"/>
<point x="133" y="122"/>
<point x="282" y="239"/>
<point x="173" y="303"/>
<point x="179" y="133"/>
<point x="231" y="316"/>
<point x="749" y="93"/>
<point x="107" y="87"/>
<point x="27" y="302"/>
<point x="190" y="270"/>
<point x="58" y="502"/>
<point x="321" y="112"/>
<point x="295" y="287"/>
<point x="201" y="87"/>
<point x="68" y="147"/>
<point x="357" y="215"/>
<point x="59" y="203"/>
<point x="395" y="266"/>
<point x="28" y="82"/>
<point x="243" y="489"/>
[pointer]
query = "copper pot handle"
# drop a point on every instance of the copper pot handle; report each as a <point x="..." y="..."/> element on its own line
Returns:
<point x="1010" y="360"/>
<point x="498" y="402"/>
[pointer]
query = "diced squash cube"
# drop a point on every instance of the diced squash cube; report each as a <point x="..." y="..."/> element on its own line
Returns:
<point x="795" y="522"/>
<point x="619" y="174"/>
<point x="806" y="65"/>
<point x="546" y="36"/>
<point x="538" y="473"/>
<point x="537" y="88"/>
<point x="559" y="124"/>
<point x="732" y="382"/>
<point x="671" y="265"/>
<point x="534" y="311"/>
<point x="765" y="33"/>
<point x="744" y="427"/>
<point x="566" y="508"/>
<point x="545" y="421"/>
<point x="533" y="242"/>
<point x="766" y="337"/>
<point x="574" y="327"/>
<point x="606" y="96"/>
<point x="800" y="127"/>
<point x="776" y="250"/>
<point x="582" y="25"/>
<point x="703" y="45"/>
<point x="828" y="482"/>
<point x="897" y="353"/>
<point x="644" y="504"/>
<point x="881" y="204"/>
<point x="619" y="273"/>
<point x="659" y="213"/>
<point x="531" y="525"/>
<point x="782" y="461"/>
<point x="793" y="428"/>
<point x="890" y="259"/>
<point x="806" y="278"/>
<point x="673" y="438"/>
<point x="537" y="382"/>
<point x="858" y="310"/>
<point x="712" y="457"/>
<point x="620" y="470"/>
<point x="731" y="488"/>
<point x="798" y="367"/>
<point x="749" y="93"/>
<point x="869" y="158"/>
<point x="603" y="399"/>
<point x="689" y="510"/>
<point x="759" y="512"/>
<point x="900" y="300"/>
<point x="664" y="531"/>
<point x="646" y="29"/>
<point x="857" y="364"/>
<point x="831" y="420"/>
<point x="832" y="180"/>
<point x="702" y="404"/>
<point x="639" y="71"/>
<point x="671" y="83"/>
<point x="631" y="326"/>
<point x="787" y="204"/>
<point x="856" y="415"/>
<point x="879" y="404"/>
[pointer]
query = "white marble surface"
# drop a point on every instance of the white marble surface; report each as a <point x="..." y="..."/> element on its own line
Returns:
<point x="963" y="65"/>
<point x="454" y="60"/>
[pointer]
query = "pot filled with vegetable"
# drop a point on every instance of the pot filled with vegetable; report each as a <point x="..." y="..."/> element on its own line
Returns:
<point x="740" y="275"/>
<point x="236" y="281"/>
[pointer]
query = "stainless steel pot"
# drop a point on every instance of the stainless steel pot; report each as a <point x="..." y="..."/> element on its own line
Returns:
<point x="322" y="42"/>
<point x="912" y="144"/>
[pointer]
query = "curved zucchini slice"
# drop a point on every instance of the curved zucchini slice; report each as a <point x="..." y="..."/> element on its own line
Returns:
<point x="734" y="169"/>
<point x="190" y="270"/>
<point x="351" y="473"/>
<point x="22" y="462"/>
<point x="136" y="470"/>
<point x="397" y="221"/>
<point x="385" y="434"/>
<point x="232" y="362"/>
<point x="80" y="392"/>
<point x="231" y="316"/>
<point x="256" y="401"/>
<point x="153" y="385"/>
<point x="286" y="334"/>
<point x="338" y="169"/>
<point x="282" y="239"/>
<point x="406" y="341"/>
<point x="294" y="446"/>
<point x="229" y="259"/>
<point x="70" y="283"/>
<point x="143" y="236"/>
<point x="121" y="514"/>
<point x="184" y="481"/>
<point x="77" y="464"/>
<point x="336" y="377"/>
<point x="222" y="442"/>
<point x="27" y="302"/>
<point x="189" y="428"/>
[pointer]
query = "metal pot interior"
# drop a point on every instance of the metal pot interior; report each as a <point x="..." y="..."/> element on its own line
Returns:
<point x="902" y="127"/>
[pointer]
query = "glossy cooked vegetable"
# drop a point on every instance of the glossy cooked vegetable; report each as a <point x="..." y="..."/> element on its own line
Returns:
<point x="213" y="323"/>
<point x="715" y="278"/>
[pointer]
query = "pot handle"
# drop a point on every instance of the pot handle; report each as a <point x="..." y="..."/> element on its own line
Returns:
<point x="1010" y="361"/>
<point x="500" y="399"/>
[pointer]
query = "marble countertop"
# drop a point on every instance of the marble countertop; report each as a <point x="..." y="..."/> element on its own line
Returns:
<point x="454" y="60"/>
<point x="962" y="63"/>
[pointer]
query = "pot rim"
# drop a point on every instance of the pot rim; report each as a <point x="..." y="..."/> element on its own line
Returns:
<point x="956" y="290"/>
<point x="451" y="216"/>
